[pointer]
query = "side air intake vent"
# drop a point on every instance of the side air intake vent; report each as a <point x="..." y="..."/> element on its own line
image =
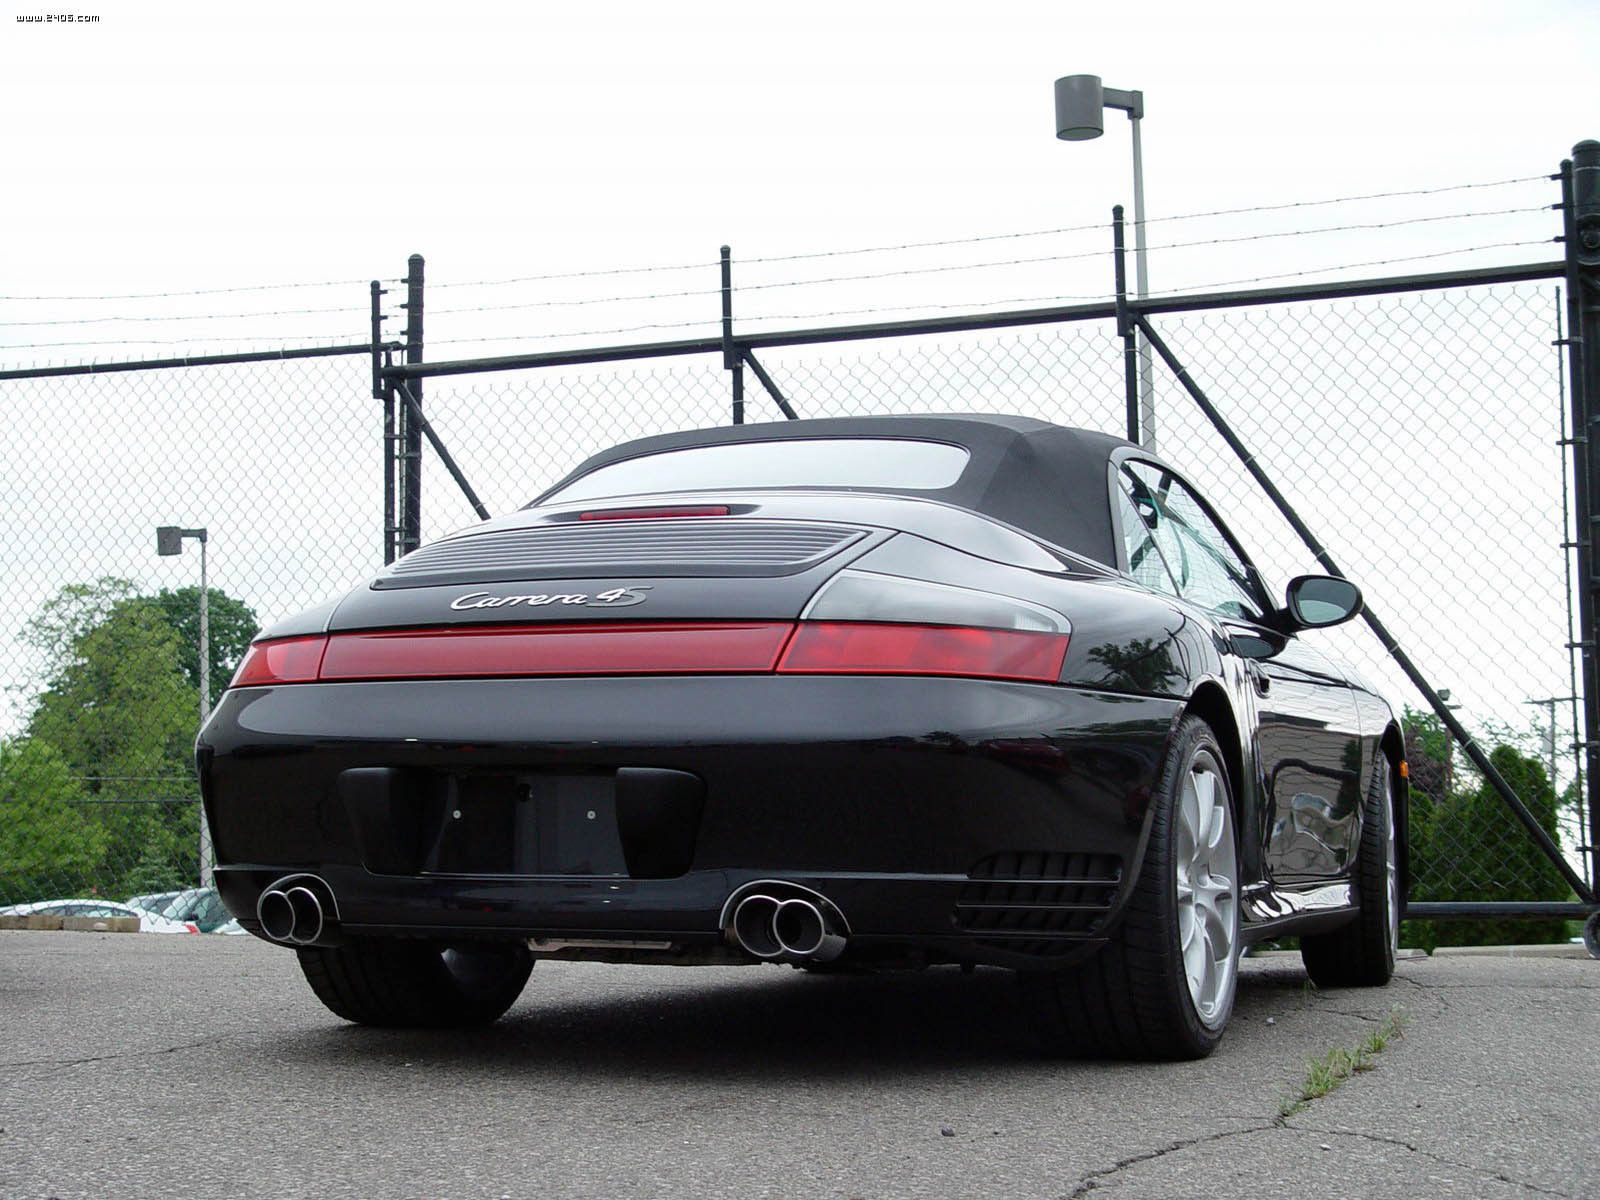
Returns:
<point x="683" y="547"/>
<point x="1038" y="902"/>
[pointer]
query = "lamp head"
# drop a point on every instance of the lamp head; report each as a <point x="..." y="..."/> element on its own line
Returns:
<point x="1080" y="108"/>
<point x="169" y="540"/>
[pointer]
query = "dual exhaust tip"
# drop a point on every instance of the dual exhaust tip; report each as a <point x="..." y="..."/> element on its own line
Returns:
<point x="292" y="910"/>
<point x="794" y="929"/>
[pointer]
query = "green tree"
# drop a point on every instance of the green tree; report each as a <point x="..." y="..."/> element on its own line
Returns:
<point x="232" y="624"/>
<point x="122" y="718"/>
<point x="49" y="844"/>
<point x="1466" y="845"/>
<point x="63" y="620"/>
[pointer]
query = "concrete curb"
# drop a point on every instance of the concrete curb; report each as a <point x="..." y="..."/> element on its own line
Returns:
<point x="50" y="922"/>
<point x="1553" y="950"/>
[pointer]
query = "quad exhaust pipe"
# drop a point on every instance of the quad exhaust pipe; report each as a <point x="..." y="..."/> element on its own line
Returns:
<point x="298" y="910"/>
<point x="787" y="929"/>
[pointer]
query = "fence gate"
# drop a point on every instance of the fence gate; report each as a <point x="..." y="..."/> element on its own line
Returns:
<point x="1427" y="434"/>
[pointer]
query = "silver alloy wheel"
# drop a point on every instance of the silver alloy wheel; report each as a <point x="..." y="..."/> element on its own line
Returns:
<point x="1206" y="862"/>
<point x="1391" y="866"/>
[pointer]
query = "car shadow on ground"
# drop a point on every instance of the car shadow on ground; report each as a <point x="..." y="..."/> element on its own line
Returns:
<point x="785" y="1021"/>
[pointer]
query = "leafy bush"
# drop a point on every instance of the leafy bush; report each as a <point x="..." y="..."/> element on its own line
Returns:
<point x="1467" y="845"/>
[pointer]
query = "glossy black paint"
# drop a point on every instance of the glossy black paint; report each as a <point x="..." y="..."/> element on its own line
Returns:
<point x="881" y="792"/>
<point x="885" y="794"/>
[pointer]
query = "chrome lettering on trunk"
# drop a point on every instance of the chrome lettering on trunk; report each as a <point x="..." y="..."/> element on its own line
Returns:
<point x="620" y="597"/>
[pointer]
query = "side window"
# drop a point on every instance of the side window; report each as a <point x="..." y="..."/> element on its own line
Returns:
<point x="1144" y="560"/>
<point x="1208" y="569"/>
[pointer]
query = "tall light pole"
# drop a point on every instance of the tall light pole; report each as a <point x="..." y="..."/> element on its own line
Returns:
<point x="169" y="541"/>
<point x="1549" y="704"/>
<point x="1081" y="101"/>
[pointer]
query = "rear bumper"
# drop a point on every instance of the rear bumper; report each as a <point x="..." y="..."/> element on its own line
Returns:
<point x="896" y="798"/>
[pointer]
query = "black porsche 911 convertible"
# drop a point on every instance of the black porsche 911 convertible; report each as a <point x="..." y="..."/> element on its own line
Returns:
<point x="845" y="694"/>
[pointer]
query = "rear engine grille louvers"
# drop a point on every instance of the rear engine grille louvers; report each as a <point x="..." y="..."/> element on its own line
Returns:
<point x="1059" y="897"/>
<point x="717" y="546"/>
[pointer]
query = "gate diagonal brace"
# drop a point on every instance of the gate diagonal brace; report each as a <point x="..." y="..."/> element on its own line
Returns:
<point x="766" y="382"/>
<point x="1464" y="739"/>
<point x="403" y="386"/>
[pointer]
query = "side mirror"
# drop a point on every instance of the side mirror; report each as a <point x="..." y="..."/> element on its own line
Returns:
<point x="1317" y="601"/>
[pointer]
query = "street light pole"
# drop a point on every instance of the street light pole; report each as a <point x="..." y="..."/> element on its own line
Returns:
<point x="1081" y="101"/>
<point x="205" y="636"/>
<point x="169" y="541"/>
<point x="1141" y="284"/>
<point x="1548" y="703"/>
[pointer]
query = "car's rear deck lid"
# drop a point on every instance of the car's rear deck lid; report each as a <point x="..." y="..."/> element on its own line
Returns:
<point x="718" y="546"/>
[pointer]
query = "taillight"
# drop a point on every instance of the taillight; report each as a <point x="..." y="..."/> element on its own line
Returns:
<point x="843" y="648"/>
<point x="635" y="648"/>
<point x="284" y="660"/>
<point x="859" y="595"/>
<point x="510" y="651"/>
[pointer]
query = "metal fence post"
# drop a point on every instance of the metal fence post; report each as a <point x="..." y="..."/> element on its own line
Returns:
<point x="732" y="359"/>
<point x="411" y="432"/>
<point x="1580" y="196"/>
<point x="1126" y="329"/>
<point x="381" y="390"/>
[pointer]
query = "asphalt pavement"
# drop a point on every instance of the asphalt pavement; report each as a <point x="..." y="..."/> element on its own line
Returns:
<point x="149" y="1066"/>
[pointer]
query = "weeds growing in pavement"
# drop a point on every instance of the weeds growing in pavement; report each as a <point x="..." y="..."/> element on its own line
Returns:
<point x="1333" y="1068"/>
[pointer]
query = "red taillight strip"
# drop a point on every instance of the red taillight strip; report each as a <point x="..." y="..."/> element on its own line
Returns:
<point x="285" y="660"/>
<point x="849" y="648"/>
<point x="635" y="648"/>
<point x="657" y="648"/>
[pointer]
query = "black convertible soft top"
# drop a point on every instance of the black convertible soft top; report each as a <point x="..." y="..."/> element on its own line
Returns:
<point x="1046" y="479"/>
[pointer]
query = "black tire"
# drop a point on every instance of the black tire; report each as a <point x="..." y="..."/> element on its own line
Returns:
<point x="396" y="984"/>
<point x="1361" y="954"/>
<point x="1132" y="999"/>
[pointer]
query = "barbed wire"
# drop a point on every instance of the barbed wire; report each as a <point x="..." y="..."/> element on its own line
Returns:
<point x="240" y="339"/>
<point x="1102" y="225"/>
<point x="284" y="312"/>
<point x="1361" y="226"/>
<point x="576" y="333"/>
<point x="1374" y="262"/>
<point x="577" y="274"/>
<point x="869" y="310"/>
<point x="773" y="258"/>
<point x="226" y="291"/>
<point x="947" y="268"/>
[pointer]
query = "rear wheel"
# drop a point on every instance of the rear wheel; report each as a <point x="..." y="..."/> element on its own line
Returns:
<point x="414" y="984"/>
<point x="1362" y="953"/>
<point x="1164" y="988"/>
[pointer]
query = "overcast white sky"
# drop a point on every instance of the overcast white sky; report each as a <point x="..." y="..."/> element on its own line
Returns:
<point x="175" y="147"/>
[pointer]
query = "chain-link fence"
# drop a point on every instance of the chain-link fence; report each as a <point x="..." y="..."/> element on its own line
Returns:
<point x="1418" y="433"/>
<point x="99" y="652"/>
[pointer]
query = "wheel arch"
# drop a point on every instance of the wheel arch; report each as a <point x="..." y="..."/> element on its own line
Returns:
<point x="1209" y="701"/>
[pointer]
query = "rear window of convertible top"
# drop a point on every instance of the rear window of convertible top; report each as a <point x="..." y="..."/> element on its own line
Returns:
<point x="890" y="463"/>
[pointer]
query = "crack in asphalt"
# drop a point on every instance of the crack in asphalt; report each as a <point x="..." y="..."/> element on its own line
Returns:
<point x="1092" y="1180"/>
<point x="1498" y="1176"/>
<point x="95" y="1058"/>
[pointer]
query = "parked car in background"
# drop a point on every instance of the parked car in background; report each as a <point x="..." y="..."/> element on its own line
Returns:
<point x="155" y="902"/>
<point x="201" y="907"/>
<point x="149" y="922"/>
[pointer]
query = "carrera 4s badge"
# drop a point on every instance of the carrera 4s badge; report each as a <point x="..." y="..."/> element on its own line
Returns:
<point x="621" y="597"/>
